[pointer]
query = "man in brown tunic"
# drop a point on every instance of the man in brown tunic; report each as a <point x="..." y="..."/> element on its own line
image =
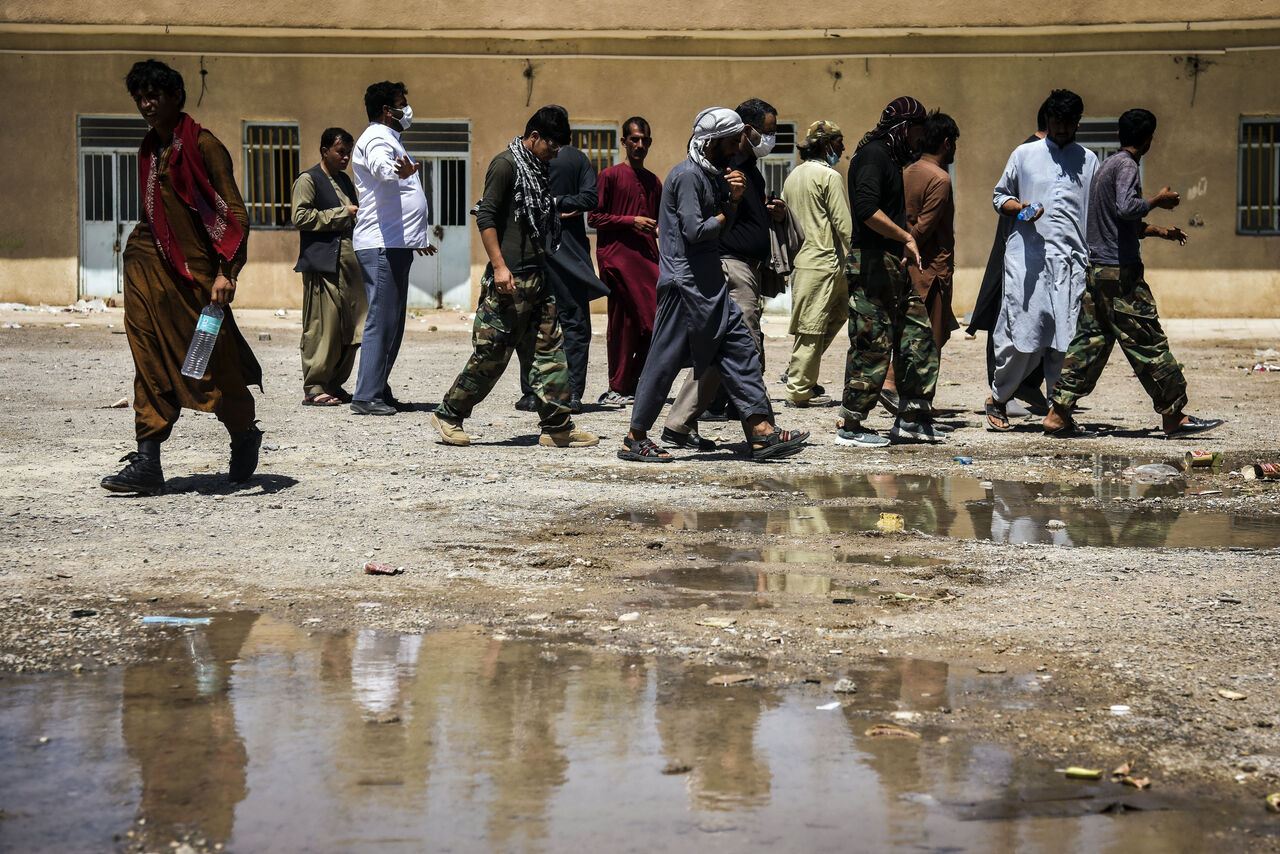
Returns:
<point x="185" y="253"/>
<point x="930" y="220"/>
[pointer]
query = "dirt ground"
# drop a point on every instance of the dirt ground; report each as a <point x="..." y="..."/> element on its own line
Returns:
<point x="519" y="540"/>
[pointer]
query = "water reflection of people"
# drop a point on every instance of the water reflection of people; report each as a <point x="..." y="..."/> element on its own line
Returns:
<point x="713" y="730"/>
<point x="179" y="725"/>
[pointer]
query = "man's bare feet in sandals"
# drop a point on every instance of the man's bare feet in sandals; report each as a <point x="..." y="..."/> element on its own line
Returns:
<point x="320" y="399"/>
<point x="997" y="417"/>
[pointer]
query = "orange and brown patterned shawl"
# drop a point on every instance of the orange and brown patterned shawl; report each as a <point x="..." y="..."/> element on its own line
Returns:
<point x="190" y="180"/>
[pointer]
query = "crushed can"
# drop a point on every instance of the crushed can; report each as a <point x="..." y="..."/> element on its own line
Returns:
<point x="381" y="569"/>
<point x="1262" y="471"/>
<point x="891" y="522"/>
<point x="1203" y="459"/>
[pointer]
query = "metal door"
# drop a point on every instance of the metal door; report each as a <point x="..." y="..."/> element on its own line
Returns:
<point x="109" y="209"/>
<point x="110" y="203"/>
<point x="444" y="279"/>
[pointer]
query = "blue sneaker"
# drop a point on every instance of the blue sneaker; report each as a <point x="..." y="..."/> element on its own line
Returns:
<point x="859" y="436"/>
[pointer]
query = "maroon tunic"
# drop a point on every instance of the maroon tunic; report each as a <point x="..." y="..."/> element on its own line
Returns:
<point x="628" y="262"/>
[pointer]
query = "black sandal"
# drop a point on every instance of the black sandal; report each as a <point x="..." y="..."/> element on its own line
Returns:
<point x="643" y="451"/>
<point x="778" y="444"/>
<point x="996" y="412"/>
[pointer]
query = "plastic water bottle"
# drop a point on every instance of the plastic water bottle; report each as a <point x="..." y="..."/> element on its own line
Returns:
<point x="197" y="361"/>
<point x="1028" y="212"/>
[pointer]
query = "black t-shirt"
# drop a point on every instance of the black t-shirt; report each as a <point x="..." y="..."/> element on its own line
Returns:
<point x="748" y="235"/>
<point x="875" y="183"/>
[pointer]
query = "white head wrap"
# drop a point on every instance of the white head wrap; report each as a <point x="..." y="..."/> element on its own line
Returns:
<point x="711" y="124"/>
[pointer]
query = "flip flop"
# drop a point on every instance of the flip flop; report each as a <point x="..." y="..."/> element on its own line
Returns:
<point x="643" y="451"/>
<point x="321" y="399"/>
<point x="996" y="411"/>
<point x="1070" y="430"/>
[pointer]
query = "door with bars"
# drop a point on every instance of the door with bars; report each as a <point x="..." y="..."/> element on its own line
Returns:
<point x="442" y="146"/>
<point x="110" y="203"/>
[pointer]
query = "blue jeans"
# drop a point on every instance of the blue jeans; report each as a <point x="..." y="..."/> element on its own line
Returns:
<point x="386" y="281"/>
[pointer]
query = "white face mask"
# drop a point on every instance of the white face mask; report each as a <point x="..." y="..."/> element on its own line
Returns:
<point x="765" y="145"/>
<point x="406" y="118"/>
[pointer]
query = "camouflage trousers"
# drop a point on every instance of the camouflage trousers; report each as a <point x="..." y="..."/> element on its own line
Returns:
<point x="523" y="322"/>
<point x="888" y="321"/>
<point x="1118" y="308"/>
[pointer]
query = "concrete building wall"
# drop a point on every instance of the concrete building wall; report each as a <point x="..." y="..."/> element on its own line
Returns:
<point x="51" y="73"/>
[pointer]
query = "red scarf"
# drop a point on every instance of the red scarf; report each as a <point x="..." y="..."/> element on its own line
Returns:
<point x="190" y="180"/>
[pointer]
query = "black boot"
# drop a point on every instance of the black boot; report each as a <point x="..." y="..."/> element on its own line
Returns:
<point x="142" y="474"/>
<point x="244" y="454"/>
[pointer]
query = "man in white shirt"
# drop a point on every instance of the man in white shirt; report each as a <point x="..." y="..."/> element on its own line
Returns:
<point x="391" y="224"/>
<point x="1045" y="191"/>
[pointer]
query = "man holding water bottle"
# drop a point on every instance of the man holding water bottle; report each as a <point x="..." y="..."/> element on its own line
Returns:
<point x="1045" y="191"/>
<point x="184" y="256"/>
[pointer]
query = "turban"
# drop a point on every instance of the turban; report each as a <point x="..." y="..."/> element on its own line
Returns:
<point x="711" y="124"/>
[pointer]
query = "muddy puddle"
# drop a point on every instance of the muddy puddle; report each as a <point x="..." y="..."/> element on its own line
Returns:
<point x="1002" y="511"/>
<point x="730" y="554"/>
<point x="252" y="734"/>
<point x="748" y="581"/>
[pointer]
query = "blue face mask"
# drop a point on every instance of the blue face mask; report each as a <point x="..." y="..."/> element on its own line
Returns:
<point x="832" y="158"/>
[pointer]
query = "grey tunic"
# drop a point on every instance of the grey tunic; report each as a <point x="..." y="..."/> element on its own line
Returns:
<point x="689" y="257"/>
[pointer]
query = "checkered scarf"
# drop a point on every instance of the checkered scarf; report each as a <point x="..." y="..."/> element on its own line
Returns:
<point x="534" y="204"/>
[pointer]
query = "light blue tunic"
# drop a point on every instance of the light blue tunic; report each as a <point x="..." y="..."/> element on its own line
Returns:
<point x="1044" y="261"/>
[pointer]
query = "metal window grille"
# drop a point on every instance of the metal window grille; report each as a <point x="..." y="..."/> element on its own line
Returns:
<point x="1258" y="211"/>
<point x="271" y="162"/>
<point x="99" y="201"/>
<point x="600" y="144"/>
<point x="437" y="137"/>
<point x="111" y="131"/>
<point x="453" y="192"/>
<point x="1101" y="136"/>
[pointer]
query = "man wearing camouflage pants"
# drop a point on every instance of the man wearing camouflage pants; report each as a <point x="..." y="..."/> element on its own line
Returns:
<point x="518" y="220"/>
<point x="887" y="318"/>
<point x="1117" y="304"/>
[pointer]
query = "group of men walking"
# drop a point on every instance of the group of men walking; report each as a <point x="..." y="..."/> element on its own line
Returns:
<point x="685" y="263"/>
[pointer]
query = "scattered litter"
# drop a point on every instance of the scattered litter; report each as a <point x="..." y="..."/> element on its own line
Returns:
<point x="1265" y="367"/>
<point x="964" y="461"/>
<point x="1203" y="459"/>
<point x="890" y="731"/>
<point x="725" y="679"/>
<point x="1119" y="709"/>
<point x="1076" y="773"/>
<point x="119" y="404"/>
<point x="715" y="622"/>
<point x="382" y="569"/>
<point x="891" y="522"/>
<point x="906" y="717"/>
<point x="176" y="621"/>
<point x="71" y="325"/>
<point x="842" y="600"/>
<point x="1231" y="695"/>
<point x="826" y="707"/>
<point x="1136" y="782"/>
<point x="1262" y="471"/>
<point x="13" y="326"/>
<point x="1122" y="770"/>
<point x="672" y="768"/>
<point x="1266" y="354"/>
<point x="1206" y="492"/>
<point x="1273" y="802"/>
<point x="280" y="312"/>
<point x="1152" y="473"/>
<point x="1055" y="524"/>
<point x="986" y="484"/>
<point x="83" y="612"/>
<point x="264" y="336"/>
<point x="629" y="617"/>
<point x="844" y="686"/>
<point x="992" y="668"/>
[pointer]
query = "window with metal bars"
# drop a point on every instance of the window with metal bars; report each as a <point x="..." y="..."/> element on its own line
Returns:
<point x="1258" y="211"/>
<point x="271" y="161"/>
<point x="777" y="164"/>
<point x="600" y="144"/>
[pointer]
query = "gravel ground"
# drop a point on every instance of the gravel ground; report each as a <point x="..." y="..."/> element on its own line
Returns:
<point x="526" y="541"/>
